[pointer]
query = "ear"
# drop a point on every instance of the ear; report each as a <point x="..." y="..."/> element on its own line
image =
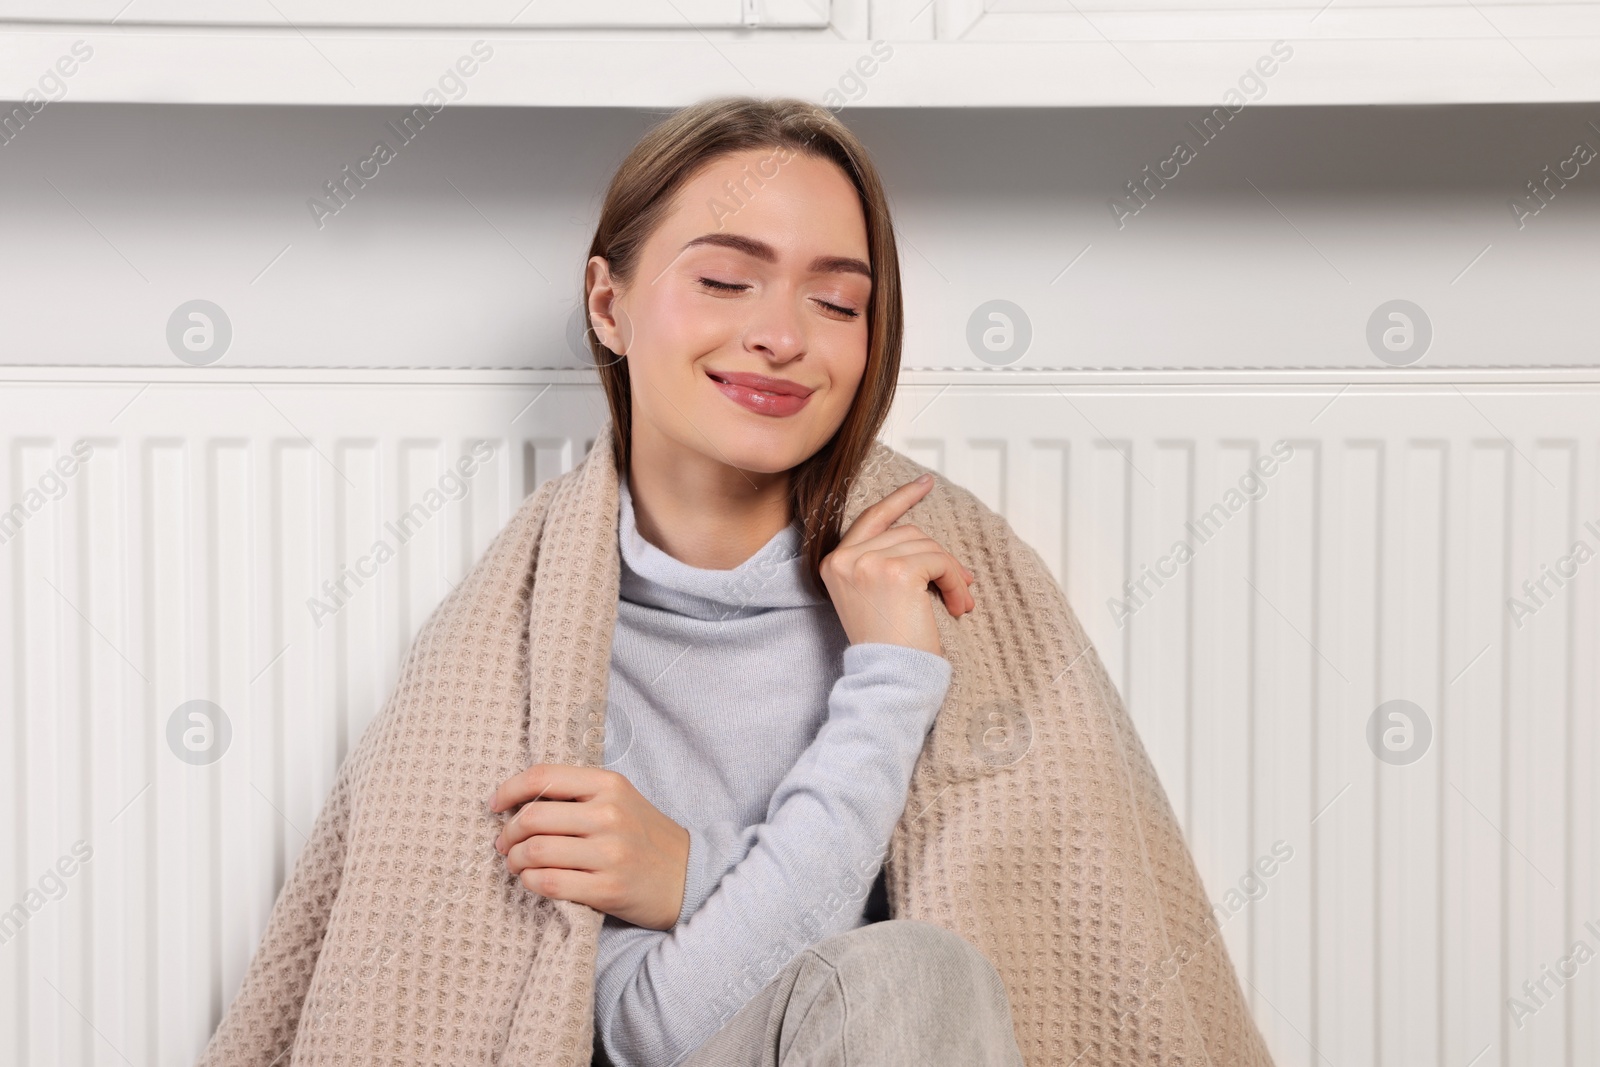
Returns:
<point x="600" y="311"/>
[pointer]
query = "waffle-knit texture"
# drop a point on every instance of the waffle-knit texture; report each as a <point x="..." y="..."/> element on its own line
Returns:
<point x="1035" y="826"/>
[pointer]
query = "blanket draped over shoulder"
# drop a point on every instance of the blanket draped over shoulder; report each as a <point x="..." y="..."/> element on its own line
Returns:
<point x="1035" y="826"/>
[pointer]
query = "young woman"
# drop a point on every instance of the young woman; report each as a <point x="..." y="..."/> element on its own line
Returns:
<point x="791" y="676"/>
<point x="772" y="679"/>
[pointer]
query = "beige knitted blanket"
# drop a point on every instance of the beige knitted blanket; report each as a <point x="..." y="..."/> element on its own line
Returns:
<point x="1035" y="825"/>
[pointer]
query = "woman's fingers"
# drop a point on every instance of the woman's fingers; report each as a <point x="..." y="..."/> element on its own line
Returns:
<point x="926" y="552"/>
<point x="584" y="887"/>
<point x="544" y="817"/>
<point x="877" y="518"/>
<point x="545" y="850"/>
<point x="894" y="535"/>
<point x="942" y="569"/>
<point x="549" y="781"/>
<point x="900" y="536"/>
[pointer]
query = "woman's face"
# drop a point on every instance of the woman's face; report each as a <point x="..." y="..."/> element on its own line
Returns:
<point x="760" y="268"/>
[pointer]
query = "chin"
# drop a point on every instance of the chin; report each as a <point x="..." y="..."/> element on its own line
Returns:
<point x="764" y="449"/>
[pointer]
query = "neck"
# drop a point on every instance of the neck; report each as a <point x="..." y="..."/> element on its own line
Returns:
<point x="701" y="511"/>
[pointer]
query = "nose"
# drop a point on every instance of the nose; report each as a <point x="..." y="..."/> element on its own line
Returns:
<point x="776" y="327"/>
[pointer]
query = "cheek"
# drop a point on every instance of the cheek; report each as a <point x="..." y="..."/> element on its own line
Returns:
<point x="854" y="369"/>
<point x="673" y="333"/>
<point x="847" y="373"/>
<point x="675" y="326"/>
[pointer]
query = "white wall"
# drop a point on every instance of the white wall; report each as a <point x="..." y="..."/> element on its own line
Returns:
<point x="1270" y="249"/>
<point x="1376" y="564"/>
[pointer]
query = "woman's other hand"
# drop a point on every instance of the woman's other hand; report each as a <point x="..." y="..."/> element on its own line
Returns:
<point x="586" y="834"/>
<point x="878" y="577"/>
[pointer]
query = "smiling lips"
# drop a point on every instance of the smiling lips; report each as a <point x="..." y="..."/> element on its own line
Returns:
<point x="761" y="394"/>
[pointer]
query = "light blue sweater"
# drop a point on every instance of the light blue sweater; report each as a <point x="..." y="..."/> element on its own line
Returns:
<point x="739" y="708"/>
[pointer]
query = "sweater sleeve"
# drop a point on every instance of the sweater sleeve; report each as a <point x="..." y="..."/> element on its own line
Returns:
<point x="714" y="848"/>
<point x="781" y="886"/>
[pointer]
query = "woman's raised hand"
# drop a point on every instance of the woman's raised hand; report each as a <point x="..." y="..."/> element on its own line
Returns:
<point x="878" y="577"/>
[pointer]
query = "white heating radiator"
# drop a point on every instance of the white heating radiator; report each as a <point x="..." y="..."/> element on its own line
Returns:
<point x="1409" y="898"/>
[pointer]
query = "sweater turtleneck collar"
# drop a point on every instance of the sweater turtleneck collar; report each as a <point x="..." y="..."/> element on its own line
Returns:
<point x="771" y="578"/>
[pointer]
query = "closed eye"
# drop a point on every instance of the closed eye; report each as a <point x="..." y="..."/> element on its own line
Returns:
<point x="712" y="283"/>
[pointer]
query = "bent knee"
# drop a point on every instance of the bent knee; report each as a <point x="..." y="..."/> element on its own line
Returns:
<point x="908" y="947"/>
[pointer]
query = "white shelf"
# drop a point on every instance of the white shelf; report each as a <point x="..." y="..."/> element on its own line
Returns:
<point x="523" y="14"/>
<point x="1510" y="52"/>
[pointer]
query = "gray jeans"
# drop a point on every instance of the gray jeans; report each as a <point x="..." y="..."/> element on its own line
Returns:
<point x="895" y="992"/>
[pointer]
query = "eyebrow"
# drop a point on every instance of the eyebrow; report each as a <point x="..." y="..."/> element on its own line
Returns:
<point x="766" y="253"/>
